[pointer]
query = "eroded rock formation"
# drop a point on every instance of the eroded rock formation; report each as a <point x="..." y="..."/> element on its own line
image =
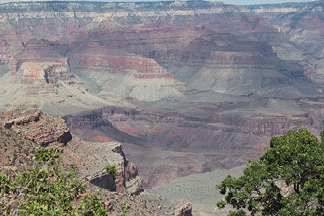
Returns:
<point x="127" y="179"/>
<point x="185" y="210"/>
<point x="187" y="144"/>
<point x="38" y="127"/>
<point x="123" y="74"/>
<point x="47" y="131"/>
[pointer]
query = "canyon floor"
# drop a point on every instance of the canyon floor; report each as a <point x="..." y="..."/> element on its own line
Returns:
<point x="198" y="189"/>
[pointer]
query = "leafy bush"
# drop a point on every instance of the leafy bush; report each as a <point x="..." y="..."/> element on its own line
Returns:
<point x="46" y="189"/>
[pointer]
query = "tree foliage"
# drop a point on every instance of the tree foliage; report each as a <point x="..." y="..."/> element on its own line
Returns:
<point x="46" y="189"/>
<point x="287" y="180"/>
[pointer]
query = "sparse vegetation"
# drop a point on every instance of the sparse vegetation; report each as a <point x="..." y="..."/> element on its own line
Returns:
<point x="112" y="170"/>
<point x="287" y="180"/>
<point x="47" y="188"/>
<point x="125" y="209"/>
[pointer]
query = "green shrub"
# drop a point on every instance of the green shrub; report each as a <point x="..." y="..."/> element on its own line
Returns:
<point x="46" y="189"/>
<point x="112" y="170"/>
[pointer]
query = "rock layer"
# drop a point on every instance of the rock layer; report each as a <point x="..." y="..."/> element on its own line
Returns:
<point x="123" y="74"/>
<point x="187" y="144"/>
<point x="38" y="127"/>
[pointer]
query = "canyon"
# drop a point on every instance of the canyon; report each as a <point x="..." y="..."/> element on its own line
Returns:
<point x="187" y="87"/>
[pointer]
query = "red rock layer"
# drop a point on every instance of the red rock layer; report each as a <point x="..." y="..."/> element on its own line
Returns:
<point x="17" y="62"/>
<point x="113" y="63"/>
<point x="223" y="141"/>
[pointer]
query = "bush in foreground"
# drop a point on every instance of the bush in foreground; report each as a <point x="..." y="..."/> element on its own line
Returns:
<point x="46" y="189"/>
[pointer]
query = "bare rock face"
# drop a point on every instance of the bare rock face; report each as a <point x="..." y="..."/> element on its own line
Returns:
<point x="303" y="25"/>
<point x="124" y="51"/>
<point x="45" y="130"/>
<point x="23" y="132"/>
<point x="21" y="120"/>
<point x="189" y="87"/>
<point x="36" y="51"/>
<point x="185" y="210"/>
<point x="123" y="74"/>
<point x="38" y="127"/>
<point x="91" y="159"/>
<point x="40" y="78"/>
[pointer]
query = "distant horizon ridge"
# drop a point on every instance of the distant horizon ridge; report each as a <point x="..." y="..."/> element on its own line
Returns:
<point x="231" y="2"/>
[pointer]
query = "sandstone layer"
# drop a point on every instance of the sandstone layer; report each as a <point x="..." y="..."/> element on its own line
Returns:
<point x="40" y="78"/>
<point x="123" y="74"/>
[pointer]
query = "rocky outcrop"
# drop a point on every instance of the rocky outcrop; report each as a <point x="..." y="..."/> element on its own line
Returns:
<point x="126" y="179"/>
<point x="22" y="120"/>
<point x="237" y="67"/>
<point x="67" y="21"/>
<point x="50" y="131"/>
<point x="40" y="61"/>
<point x="302" y="23"/>
<point x="38" y="127"/>
<point x="121" y="29"/>
<point x="185" y="210"/>
<point x="40" y="78"/>
<point x="126" y="51"/>
<point x="211" y="82"/>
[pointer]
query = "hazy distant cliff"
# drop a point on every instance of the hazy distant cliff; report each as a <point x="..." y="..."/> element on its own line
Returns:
<point x="220" y="141"/>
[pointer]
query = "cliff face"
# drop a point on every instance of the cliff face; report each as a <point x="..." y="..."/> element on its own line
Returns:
<point x="22" y="133"/>
<point x="187" y="144"/>
<point x="40" y="78"/>
<point x="38" y="127"/>
<point x="111" y="37"/>
<point x="35" y="129"/>
<point x="302" y="23"/>
<point x="123" y="74"/>
<point x="236" y="67"/>
<point x="151" y="51"/>
<point x="92" y="158"/>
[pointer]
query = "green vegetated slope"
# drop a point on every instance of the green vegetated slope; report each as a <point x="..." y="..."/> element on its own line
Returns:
<point x="47" y="189"/>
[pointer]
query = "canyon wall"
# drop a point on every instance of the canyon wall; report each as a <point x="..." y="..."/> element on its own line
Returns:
<point x="186" y="144"/>
<point x="302" y="23"/>
<point x="187" y="87"/>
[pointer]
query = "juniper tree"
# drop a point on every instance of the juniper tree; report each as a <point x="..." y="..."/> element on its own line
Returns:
<point x="287" y="180"/>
